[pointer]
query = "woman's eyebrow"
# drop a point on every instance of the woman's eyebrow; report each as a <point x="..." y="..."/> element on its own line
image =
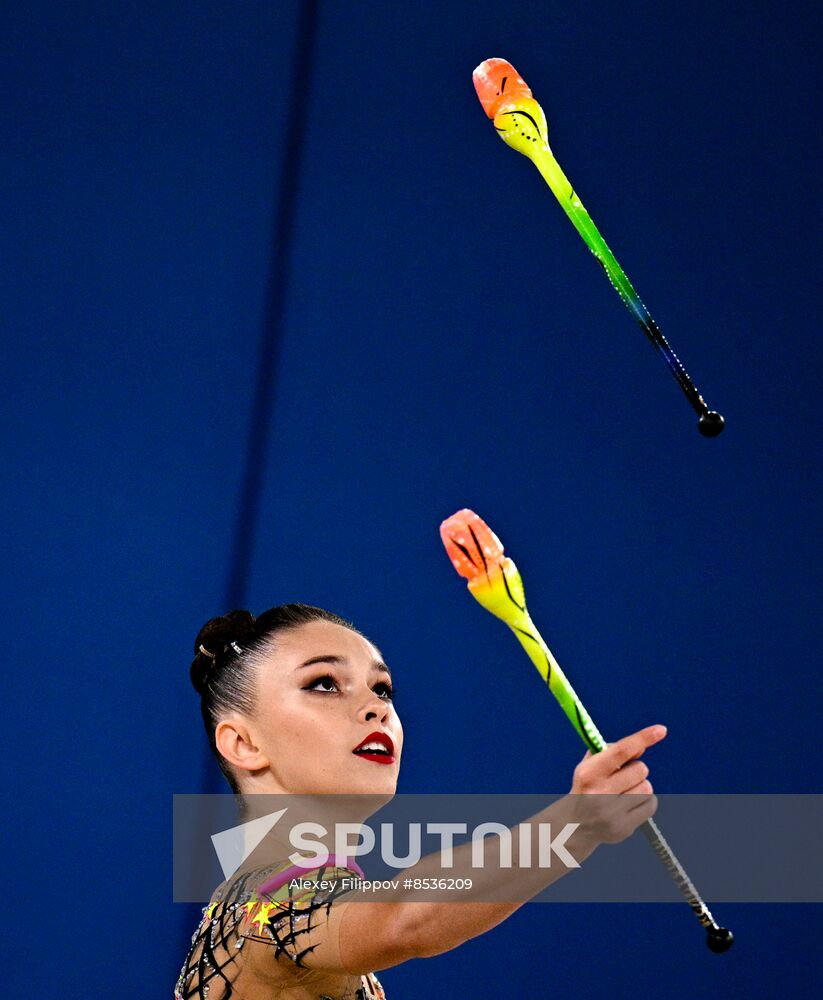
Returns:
<point x="324" y="658"/>
<point x="333" y="658"/>
<point x="381" y="666"/>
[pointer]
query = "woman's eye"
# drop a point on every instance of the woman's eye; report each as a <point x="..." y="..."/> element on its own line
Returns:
<point x="328" y="684"/>
<point x="384" y="690"/>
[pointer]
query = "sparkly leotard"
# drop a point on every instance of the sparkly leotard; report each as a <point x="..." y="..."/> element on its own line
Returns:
<point x="248" y="944"/>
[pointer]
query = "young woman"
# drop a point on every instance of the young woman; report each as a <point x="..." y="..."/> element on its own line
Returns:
<point x="298" y="702"/>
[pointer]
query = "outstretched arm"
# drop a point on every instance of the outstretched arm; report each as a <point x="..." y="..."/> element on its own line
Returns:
<point x="336" y="933"/>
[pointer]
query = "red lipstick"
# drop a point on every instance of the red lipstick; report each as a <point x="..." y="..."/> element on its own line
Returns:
<point x="383" y="755"/>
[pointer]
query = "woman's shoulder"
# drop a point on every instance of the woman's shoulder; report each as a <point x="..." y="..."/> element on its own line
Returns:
<point x="258" y="898"/>
<point x="273" y="924"/>
<point x="294" y="912"/>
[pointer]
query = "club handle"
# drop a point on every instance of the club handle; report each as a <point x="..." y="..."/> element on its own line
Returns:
<point x="719" y="939"/>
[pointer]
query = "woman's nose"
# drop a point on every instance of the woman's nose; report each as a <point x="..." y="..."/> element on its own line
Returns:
<point x="373" y="708"/>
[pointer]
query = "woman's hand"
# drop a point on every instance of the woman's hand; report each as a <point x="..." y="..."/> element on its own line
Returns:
<point x="611" y="789"/>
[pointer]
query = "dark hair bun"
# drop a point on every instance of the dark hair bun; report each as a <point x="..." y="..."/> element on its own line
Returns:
<point x="215" y="636"/>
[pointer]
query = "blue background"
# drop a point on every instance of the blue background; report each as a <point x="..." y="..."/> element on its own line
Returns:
<point x="276" y="301"/>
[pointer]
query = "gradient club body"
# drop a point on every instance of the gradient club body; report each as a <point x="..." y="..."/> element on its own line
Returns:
<point x="520" y="122"/>
<point x="493" y="580"/>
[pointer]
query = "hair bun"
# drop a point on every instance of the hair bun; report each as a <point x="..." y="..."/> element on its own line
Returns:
<point x="214" y="637"/>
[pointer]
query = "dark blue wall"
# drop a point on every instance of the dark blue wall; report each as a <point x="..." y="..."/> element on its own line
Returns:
<point x="438" y="337"/>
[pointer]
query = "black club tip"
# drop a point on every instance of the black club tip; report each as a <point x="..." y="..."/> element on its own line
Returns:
<point x="719" y="939"/>
<point x="710" y="424"/>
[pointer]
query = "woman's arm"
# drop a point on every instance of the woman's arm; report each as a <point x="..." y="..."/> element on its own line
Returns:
<point x="609" y="799"/>
<point x="387" y="934"/>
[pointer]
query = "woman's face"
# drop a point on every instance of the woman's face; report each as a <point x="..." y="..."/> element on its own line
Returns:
<point x="322" y="693"/>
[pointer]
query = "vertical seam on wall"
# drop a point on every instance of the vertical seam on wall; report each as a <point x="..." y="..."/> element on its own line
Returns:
<point x="248" y="507"/>
<point x="283" y="222"/>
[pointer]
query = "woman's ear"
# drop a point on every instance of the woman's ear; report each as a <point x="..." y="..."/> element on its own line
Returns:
<point x="236" y="742"/>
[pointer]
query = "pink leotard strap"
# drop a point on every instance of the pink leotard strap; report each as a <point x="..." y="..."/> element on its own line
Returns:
<point x="297" y="871"/>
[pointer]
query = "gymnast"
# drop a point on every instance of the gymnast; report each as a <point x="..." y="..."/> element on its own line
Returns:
<point x="297" y="701"/>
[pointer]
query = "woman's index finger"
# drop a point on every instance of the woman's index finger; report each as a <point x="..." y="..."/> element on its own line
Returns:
<point x="631" y="747"/>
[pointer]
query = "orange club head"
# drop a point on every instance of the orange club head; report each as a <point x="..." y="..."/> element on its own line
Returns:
<point x="496" y="82"/>
<point x="472" y="546"/>
<point x="477" y="554"/>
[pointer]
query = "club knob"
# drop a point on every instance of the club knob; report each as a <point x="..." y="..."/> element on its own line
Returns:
<point x="719" y="939"/>
<point x="710" y="424"/>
